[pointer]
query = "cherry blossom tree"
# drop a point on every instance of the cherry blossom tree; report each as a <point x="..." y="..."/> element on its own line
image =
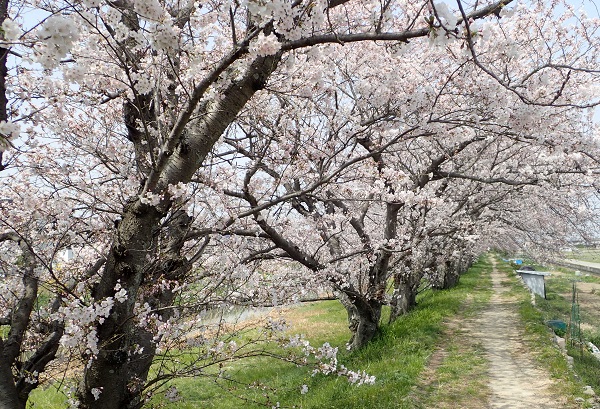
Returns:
<point x="139" y="117"/>
<point x="386" y="146"/>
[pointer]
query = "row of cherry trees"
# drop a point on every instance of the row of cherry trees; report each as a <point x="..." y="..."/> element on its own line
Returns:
<point x="195" y="155"/>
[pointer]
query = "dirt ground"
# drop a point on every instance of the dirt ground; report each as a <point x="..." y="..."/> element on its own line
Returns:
<point x="515" y="380"/>
<point x="510" y="377"/>
<point x="589" y="302"/>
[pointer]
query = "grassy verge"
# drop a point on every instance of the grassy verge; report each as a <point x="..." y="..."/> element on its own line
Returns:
<point x="457" y="372"/>
<point x="557" y="305"/>
<point x="397" y="358"/>
<point x="540" y="337"/>
<point x="584" y="254"/>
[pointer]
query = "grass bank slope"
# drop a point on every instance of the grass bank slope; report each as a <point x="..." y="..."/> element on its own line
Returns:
<point x="397" y="358"/>
<point x="421" y="361"/>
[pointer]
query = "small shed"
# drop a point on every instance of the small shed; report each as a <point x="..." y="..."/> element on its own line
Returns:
<point x="534" y="281"/>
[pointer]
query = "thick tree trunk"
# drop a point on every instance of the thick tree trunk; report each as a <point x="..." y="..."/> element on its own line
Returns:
<point x="364" y="312"/>
<point x="363" y="319"/>
<point x="404" y="297"/>
<point x="451" y="276"/>
<point x="447" y="276"/>
<point x="466" y="262"/>
<point x="9" y="396"/>
<point x="114" y="373"/>
<point x="11" y="347"/>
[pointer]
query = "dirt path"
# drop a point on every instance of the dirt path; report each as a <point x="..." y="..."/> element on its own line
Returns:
<point x="515" y="381"/>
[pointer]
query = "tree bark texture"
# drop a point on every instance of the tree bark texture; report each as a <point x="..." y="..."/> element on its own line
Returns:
<point x="9" y="396"/>
<point x="119" y="377"/>
<point x="451" y="275"/>
<point x="404" y="297"/>
<point x="363" y="319"/>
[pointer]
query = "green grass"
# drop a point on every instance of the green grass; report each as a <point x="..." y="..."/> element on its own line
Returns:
<point x="539" y="335"/>
<point x="48" y="397"/>
<point x="557" y="306"/>
<point x="584" y="254"/>
<point x="586" y="366"/>
<point x="397" y="357"/>
<point x="460" y="378"/>
<point x="461" y="375"/>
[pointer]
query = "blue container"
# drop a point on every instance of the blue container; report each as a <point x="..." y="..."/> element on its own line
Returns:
<point x="557" y="325"/>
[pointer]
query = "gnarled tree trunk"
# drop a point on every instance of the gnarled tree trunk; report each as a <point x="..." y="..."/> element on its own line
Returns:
<point x="363" y="319"/>
<point x="451" y="275"/>
<point x="404" y="297"/>
<point x="114" y="373"/>
<point x="447" y="276"/>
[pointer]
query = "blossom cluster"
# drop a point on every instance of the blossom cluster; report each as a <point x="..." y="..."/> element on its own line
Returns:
<point x="8" y="131"/>
<point x="449" y="20"/>
<point x="177" y="190"/>
<point x="150" y="9"/>
<point x="58" y="33"/>
<point x="81" y="331"/>
<point x="327" y="362"/>
<point x="263" y="45"/>
<point x="164" y="37"/>
<point x="11" y="30"/>
<point x="285" y="16"/>
<point x="151" y="199"/>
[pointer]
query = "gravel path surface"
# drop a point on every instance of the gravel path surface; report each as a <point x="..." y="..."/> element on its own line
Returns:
<point x="515" y="381"/>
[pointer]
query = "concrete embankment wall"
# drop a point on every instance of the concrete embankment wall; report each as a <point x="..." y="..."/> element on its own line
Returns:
<point x="577" y="266"/>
